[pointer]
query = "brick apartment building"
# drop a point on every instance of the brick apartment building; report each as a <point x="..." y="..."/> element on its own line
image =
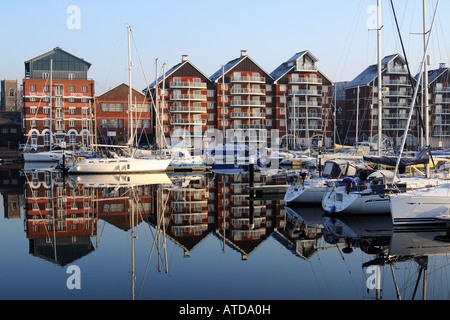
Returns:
<point x="57" y="100"/>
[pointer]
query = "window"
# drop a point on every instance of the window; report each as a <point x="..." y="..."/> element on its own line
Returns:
<point x="71" y="110"/>
<point x="71" y="88"/>
<point x="72" y="123"/>
<point x="33" y="110"/>
<point x="46" y="110"/>
<point x="32" y="88"/>
<point x="84" y="89"/>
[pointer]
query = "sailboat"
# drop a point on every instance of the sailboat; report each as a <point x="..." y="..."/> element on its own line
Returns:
<point x="313" y="190"/>
<point x="123" y="164"/>
<point x="428" y="206"/>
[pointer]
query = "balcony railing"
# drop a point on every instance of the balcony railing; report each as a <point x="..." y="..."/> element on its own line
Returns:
<point x="255" y="91"/>
<point x="246" y="115"/>
<point x="198" y="97"/>
<point x="301" y="80"/>
<point x="305" y="92"/>
<point x="247" y="103"/>
<point x="176" y="121"/>
<point x="188" y="84"/>
<point x="187" y="109"/>
<point x="255" y="79"/>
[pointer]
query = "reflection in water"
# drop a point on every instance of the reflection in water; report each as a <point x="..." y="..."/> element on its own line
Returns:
<point x="62" y="214"/>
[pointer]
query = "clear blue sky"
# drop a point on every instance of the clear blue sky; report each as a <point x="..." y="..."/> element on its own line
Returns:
<point x="213" y="32"/>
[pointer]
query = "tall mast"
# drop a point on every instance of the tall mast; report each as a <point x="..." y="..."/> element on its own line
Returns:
<point x="379" y="76"/>
<point x="425" y="83"/>
<point x="130" y="93"/>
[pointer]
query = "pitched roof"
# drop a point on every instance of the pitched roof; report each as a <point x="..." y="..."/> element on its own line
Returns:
<point x="371" y="72"/>
<point x="52" y="52"/>
<point x="232" y="64"/>
<point x="120" y="93"/>
<point x="172" y="70"/>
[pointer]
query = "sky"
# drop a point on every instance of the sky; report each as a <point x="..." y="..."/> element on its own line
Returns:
<point x="339" y="33"/>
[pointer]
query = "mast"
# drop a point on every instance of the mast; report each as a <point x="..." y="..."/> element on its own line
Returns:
<point x="130" y="99"/>
<point x="51" y="109"/>
<point x="425" y="84"/>
<point x="379" y="75"/>
<point x="357" y="117"/>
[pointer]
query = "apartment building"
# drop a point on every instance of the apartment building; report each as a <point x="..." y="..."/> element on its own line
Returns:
<point x="361" y="107"/>
<point x="303" y="102"/>
<point x="57" y="100"/>
<point x="439" y="102"/>
<point x="244" y="102"/>
<point x="183" y="97"/>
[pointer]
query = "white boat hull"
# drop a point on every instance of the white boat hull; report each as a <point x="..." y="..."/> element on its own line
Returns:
<point x="420" y="207"/>
<point x="339" y="201"/>
<point x="312" y="191"/>
<point x="120" y="165"/>
<point x="46" y="156"/>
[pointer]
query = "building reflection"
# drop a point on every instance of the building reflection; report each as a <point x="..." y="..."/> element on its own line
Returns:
<point x="59" y="217"/>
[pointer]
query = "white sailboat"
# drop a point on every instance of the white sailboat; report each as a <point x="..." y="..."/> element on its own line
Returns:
<point x="372" y="196"/>
<point x="123" y="164"/>
<point x="314" y="189"/>
<point x="427" y="206"/>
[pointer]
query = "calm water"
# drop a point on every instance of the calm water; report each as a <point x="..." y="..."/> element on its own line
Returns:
<point x="53" y="225"/>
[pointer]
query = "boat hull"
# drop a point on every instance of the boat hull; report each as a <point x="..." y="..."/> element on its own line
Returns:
<point x="310" y="192"/>
<point x="421" y="207"/>
<point x="49" y="156"/>
<point x="120" y="165"/>
<point x="339" y="201"/>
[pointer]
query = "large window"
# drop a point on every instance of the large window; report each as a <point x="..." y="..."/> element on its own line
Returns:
<point x="112" y="107"/>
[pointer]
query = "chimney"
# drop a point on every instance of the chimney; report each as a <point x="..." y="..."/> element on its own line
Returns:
<point x="184" y="57"/>
<point x="243" y="53"/>
<point x="442" y="65"/>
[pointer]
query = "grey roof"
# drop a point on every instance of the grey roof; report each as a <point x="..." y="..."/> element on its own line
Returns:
<point x="285" y="68"/>
<point x="227" y="67"/>
<point x="371" y="72"/>
<point x="433" y="75"/>
<point x="53" y="52"/>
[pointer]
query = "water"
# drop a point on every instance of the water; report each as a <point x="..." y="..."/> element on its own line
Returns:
<point x="282" y="258"/>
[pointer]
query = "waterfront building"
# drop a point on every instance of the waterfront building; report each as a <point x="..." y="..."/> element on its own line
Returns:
<point x="361" y="107"/>
<point x="183" y="97"/>
<point x="302" y="112"/>
<point x="244" y="105"/>
<point x="439" y="102"/>
<point x="57" y="100"/>
<point x="113" y="116"/>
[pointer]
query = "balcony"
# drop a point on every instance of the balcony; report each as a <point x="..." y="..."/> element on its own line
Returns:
<point x="302" y="127"/>
<point x="248" y="126"/>
<point x="396" y="70"/>
<point x="188" y="122"/>
<point x="305" y="92"/>
<point x="249" y="91"/>
<point x="247" y="115"/>
<point x="402" y="116"/>
<point x="397" y="93"/>
<point x="442" y="89"/>
<point x="247" y="103"/>
<point x="188" y="97"/>
<point x="305" y="80"/>
<point x="187" y="109"/>
<point x="187" y="85"/>
<point x="248" y="79"/>
<point x="303" y="104"/>
<point x="302" y="115"/>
